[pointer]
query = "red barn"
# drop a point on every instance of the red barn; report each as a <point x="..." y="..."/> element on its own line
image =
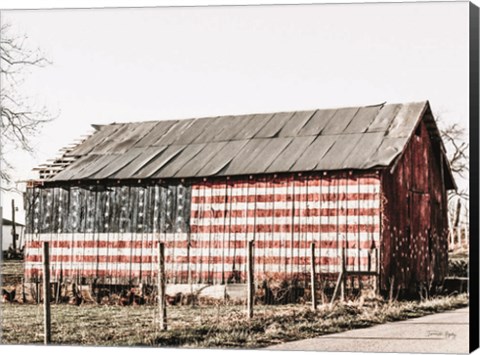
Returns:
<point x="371" y="181"/>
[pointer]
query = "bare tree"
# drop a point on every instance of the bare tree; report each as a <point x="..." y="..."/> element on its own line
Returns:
<point x="454" y="138"/>
<point x="20" y="119"/>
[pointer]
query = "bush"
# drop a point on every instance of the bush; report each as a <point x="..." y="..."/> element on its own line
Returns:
<point x="458" y="267"/>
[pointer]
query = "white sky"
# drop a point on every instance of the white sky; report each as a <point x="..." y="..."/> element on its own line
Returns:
<point x="117" y="65"/>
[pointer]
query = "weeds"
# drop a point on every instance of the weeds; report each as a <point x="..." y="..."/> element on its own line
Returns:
<point x="220" y="326"/>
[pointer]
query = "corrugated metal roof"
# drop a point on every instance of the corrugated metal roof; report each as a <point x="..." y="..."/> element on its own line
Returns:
<point x="315" y="140"/>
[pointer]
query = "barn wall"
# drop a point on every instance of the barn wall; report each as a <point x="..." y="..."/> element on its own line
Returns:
<point x="415" y="219"/>
<point x="112" y="235"/>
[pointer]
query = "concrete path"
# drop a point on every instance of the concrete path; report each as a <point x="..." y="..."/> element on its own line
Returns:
<point x="438" y="333"/>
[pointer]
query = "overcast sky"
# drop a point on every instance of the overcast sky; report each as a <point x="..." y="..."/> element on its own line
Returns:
<point x="123" y="65"/>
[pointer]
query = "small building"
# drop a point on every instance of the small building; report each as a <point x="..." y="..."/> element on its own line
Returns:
<point x="7" y="239"/>
<point x="367" y="185"/>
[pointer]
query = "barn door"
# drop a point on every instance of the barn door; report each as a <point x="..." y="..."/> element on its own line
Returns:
<point x="421" y="245"/>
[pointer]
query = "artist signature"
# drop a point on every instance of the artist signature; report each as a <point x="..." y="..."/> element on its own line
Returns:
<point x="439" y="334"/>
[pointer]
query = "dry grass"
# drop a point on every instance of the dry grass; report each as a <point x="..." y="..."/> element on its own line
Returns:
<point x="206" y="326"/>
<point x="11" y="272"/>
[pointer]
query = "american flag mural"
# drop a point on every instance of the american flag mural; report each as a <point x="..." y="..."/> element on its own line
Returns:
<point x="111" y="233"/>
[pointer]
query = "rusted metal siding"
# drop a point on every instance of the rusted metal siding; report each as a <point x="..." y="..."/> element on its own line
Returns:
<point x="112" y="235"/>
<point x="415" y="233"/>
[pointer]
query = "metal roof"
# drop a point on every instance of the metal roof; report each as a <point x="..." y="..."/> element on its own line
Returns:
<point x="317" y="140"/>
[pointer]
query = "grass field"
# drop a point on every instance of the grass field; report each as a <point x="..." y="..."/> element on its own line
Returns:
<point x="220" y="326"/>
<point x="205" y="326"/>
<point x="11" y="272"/>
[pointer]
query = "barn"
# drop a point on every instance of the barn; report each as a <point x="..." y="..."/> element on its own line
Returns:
<point x="367" y="185"/>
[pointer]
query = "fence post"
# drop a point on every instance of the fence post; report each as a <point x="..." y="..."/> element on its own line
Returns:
<point x="377" y="271"/>
<point x="466" y="235"/>
<point x="162" y="305"/>
<point x="313" y="276"/>
<point x="46" y="294"/>
<point x="344" y="278"/>
<point x="250" y="281"/>
<point x="452" y="244"/>
<point x="14" y="230"/>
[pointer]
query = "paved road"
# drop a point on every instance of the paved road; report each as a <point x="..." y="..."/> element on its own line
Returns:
<point x="438" y="333"/>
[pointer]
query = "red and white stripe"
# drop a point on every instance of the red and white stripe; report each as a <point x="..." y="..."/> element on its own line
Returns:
<point x="283" y="216"/>
<point x="332" y="212"/>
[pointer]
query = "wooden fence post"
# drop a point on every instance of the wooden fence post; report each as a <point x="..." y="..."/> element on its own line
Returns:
<point x="250" y="281"/>
<point x="377" y="270"/>
<point x="466" y="235"/>
<point x="337" y="286"/>
<point x="452" y="244"/>
<point x="162" y="305"/>
<point x="344" y="278"/>
<point x="46" y="294"/>
<point x="313" y="276"/>
<point x="14" y="230"/>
